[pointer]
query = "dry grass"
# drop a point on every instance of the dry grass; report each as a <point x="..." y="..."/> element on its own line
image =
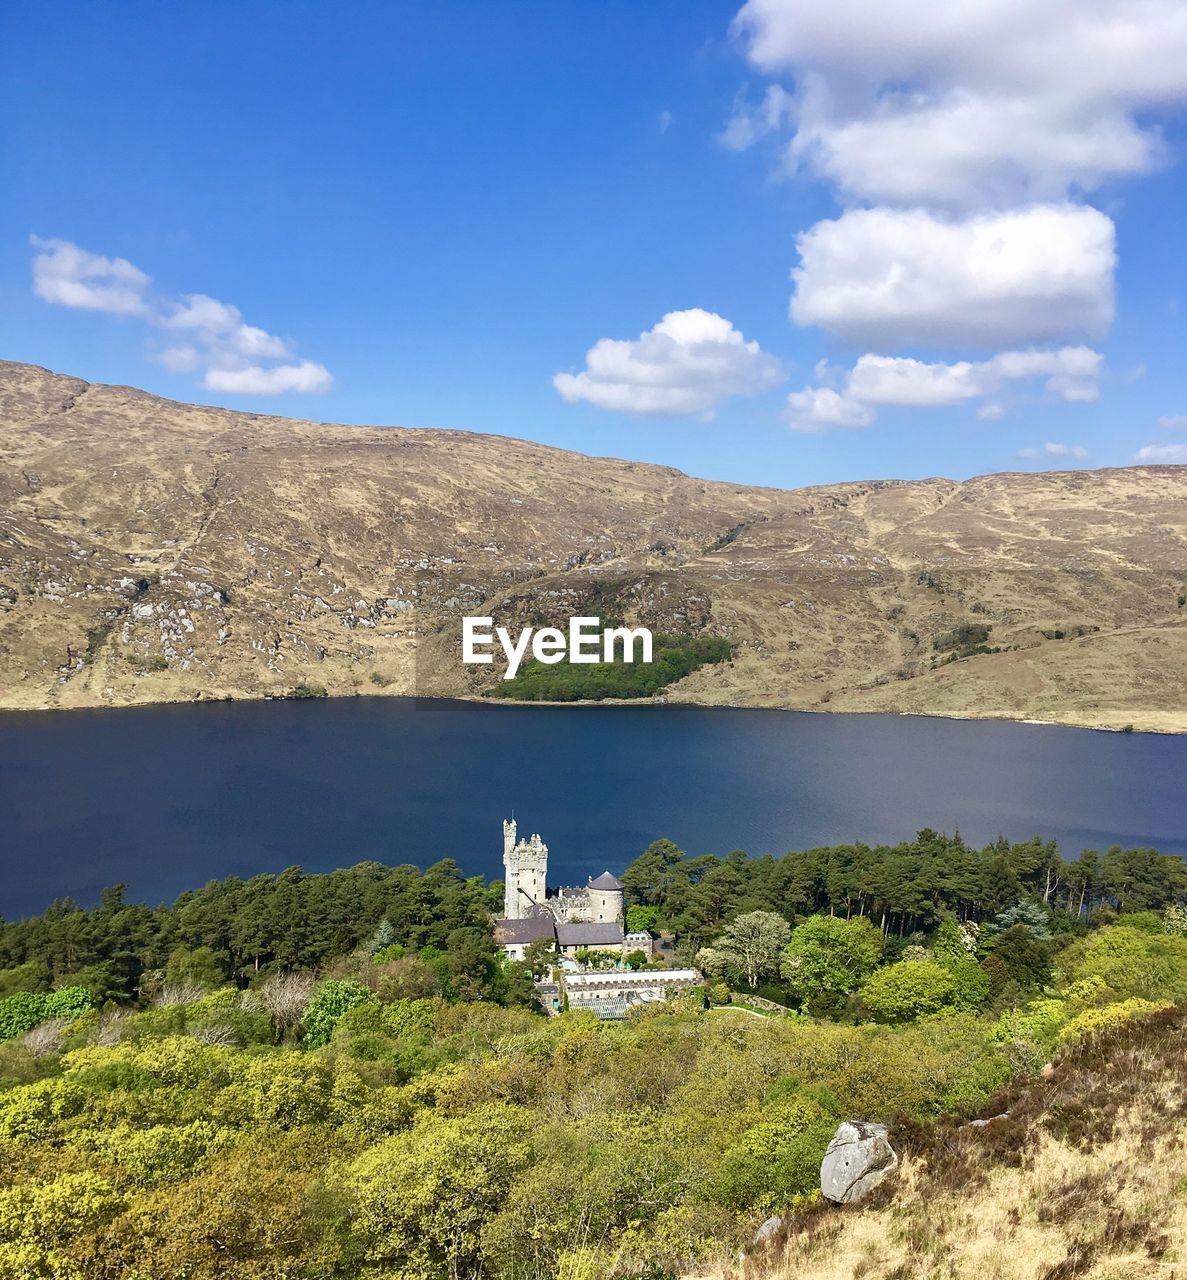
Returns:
<point x="158" y="552"/>
<point x="1086" y="1179"/>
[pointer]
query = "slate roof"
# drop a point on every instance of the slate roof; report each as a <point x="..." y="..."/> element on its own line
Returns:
<point x="531" y="929"/>
<point x="605" y="881"/>
<point x="608" y="1008"/>
<point x="590" y="935"/>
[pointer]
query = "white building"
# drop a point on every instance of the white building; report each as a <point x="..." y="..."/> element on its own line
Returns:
<point x="612" y="995"/>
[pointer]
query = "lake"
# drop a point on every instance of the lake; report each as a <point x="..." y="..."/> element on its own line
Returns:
<point x="165" y="798"/>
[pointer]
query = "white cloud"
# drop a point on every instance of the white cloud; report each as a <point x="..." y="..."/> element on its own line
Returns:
<point x="987" y="102"/>
<point x="1055" y="449"/>
<point x="878" y="381"/>
<point x="214" y="336"/>
<point x="1162" y="453"/>
<point x="817" y="408"/>
<point x="71" y="277"/>
<point x="253" y="380"/>
<point x="974" y="131"/>
<point x="888" y="277"/>
<point x="665" y="120"/>
<point x="1173" y="422"/>
<point x="687" y="364"/>
<point x="748" y="124"/>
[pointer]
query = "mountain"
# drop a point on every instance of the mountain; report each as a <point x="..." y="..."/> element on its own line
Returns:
<point x="152" y="551"/>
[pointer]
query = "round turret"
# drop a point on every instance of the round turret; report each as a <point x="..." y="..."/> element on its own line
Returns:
<point x="605" y="899"/>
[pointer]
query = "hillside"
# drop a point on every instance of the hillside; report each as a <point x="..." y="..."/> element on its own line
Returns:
<point x="153" y="551"/>
<point x="1084" y="1178"/>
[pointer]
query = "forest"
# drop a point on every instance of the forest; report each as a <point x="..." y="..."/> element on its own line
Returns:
<point x="337" y="1077"/>
<point x="674" y="658"/>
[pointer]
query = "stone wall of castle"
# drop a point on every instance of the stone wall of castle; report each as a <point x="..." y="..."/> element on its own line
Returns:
<point x="525" y="875"/>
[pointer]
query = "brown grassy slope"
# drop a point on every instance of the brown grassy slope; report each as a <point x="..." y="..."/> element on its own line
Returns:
<point x="154" y="551"/>
<point x="1085" y="1178"/>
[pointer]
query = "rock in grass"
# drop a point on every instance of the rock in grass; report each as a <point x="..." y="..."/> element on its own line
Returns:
<point x="858" y="1158"/>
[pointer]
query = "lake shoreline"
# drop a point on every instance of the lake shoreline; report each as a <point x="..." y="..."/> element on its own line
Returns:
<point x="660" y="702"/>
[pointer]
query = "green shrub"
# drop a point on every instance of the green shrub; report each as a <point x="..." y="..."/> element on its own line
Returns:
<point x="23" y="1010"/>
<point x="908" y="990"/>
<point x="330" y="1001"/>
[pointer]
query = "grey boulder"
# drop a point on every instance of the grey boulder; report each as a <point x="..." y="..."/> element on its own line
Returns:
<point x="857" y="1159"/>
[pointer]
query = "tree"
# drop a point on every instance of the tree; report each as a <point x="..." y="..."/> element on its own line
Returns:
<point x="639" y="918"/>
<point x="908" y="990"/>
<point x="285" y="996"/>
<point x="1025" y="958"/>
<point x="829" y="956"/>
<point x="194" y="967"/>
<point x="539" y="956"/>
<point x="420" y="1200"/>
<point x="752" y="945"/>
<point x="330" y="1001"/>
<point x="649" y="877"/>
<point x="1022" y="915"/>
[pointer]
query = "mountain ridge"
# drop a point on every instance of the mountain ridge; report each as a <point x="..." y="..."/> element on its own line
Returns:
<point x="154" y="551"/>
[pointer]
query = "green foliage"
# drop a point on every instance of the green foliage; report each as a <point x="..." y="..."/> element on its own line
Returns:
<point x="330" y="1001"/>
<point x="905" y="888"/>
<point x="420" y="1200"/>
<point x="673" y="658"/>
<point x="964" y="639"/>
<point x="1131" y="962"/>
<point x="1027" y="916"/>
<point x="20" y="1012"/>
<point x="774" y="1162"/>
<point x="196" y="966"/>
<point x="251" y="927"/>
<point x="309" y="691"/>
<point x="971" y="982"/>
<point x="23" y="1010"/>
<point x="830" y="957"/>
<point x="1111" y="1015"/>
<point x="908" y="990"/>
<point x="750" y="948"/>
<point x="25" y="977"/>
<point x="640" y="918"/>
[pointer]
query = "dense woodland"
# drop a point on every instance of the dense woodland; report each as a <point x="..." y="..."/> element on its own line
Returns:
<point x="246" y="929"/>
<point x="337" y="1077"/>
<point x="674" y="658"/>
<point x="902" y="888"/>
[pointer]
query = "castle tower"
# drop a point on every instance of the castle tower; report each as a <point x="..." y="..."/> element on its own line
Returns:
<point x="525" y="871"/>
<point x="606" y="899"/>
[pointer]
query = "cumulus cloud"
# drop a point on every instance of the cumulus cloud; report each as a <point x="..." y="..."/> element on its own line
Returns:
<point x="206" y="334"/>
<point x="686" y="364"/>
<point x="1162" y="453"/>
<point x="988" y="103"/>
<point x="888" y="277"/>
<point x="1054" y="449"/>
<point x="961" y="144"/>
<point x="878" y="381"/>
<point x="817" y="408"/>
<point x="1173" y="422"/>
<point x="71" y="277"/>
<point x="252" y="380"/>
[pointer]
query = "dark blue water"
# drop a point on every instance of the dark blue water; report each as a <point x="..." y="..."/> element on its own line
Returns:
<point x="165" y="798"/>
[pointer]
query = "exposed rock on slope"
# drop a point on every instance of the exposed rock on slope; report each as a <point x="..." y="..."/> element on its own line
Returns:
<point x="152" y="551"/>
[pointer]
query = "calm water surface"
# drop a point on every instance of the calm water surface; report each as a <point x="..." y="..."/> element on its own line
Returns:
<point x="165" y="798"/>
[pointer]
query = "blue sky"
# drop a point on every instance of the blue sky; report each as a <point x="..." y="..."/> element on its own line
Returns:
<point x="422" y="214"/>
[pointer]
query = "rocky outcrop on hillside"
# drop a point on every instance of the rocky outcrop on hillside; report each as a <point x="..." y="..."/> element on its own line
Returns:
<point x="153" y="551"/>
<point x="858" y="1159"/>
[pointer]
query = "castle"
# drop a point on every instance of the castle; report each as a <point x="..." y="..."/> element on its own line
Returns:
<point x="592" y="917"/>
